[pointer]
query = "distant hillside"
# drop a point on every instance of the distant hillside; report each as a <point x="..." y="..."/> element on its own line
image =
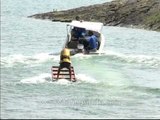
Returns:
<point x="137" y="13"/>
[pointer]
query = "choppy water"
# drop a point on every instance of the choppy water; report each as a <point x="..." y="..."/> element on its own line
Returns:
<point x="124" y="82"/>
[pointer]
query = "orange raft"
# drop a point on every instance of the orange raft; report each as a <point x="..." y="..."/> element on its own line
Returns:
<point x="64" y="73"/>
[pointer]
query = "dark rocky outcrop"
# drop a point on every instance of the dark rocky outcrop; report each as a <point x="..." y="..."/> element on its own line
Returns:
<point x="138" y="13"/>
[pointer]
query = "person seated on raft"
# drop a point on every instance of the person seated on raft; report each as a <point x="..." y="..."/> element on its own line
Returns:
<point x="65" y="61"/>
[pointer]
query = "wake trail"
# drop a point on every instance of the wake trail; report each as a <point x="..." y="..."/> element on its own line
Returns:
<point x="46" y="78"/>
<point x="153" y="61"/>
<point x="11" y="60"/>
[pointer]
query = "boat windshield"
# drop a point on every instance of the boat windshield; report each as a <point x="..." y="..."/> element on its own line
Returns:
<point x="93" y="26"/>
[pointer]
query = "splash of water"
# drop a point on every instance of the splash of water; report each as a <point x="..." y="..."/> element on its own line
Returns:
<point x="85" y="78"/>
<point x="153" y="61"/>
<point x="42" y="78"/>
<point x="46" y="78"/>
<point x="82" y="56"/>
<point x="12" y="60"/>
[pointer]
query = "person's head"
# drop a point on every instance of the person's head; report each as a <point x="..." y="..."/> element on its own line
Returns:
<point x="77" y="18"/>
<point x="90" y="33"/>
<point x="73" y="32"/>
<point x="65" y="49"/>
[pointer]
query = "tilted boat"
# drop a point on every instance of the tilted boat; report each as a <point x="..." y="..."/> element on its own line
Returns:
<point x="74" y="45"/>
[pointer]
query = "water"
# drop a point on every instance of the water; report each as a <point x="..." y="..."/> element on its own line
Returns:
<point x="122" y="83"/>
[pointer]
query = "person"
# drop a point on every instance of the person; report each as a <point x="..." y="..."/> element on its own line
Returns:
<point x="84" y="42"/>
<point x="78" y="32"/>
<point x="93" y="42"/>
<point x="65" y="61"/>
<point x="77" y="18"/>
<point x="74" y="35"/>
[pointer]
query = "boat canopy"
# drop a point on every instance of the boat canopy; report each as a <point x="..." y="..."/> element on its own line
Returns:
<point x="93" y="26"/>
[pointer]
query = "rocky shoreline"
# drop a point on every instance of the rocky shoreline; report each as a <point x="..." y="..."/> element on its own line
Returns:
<point x="131" y="13"/>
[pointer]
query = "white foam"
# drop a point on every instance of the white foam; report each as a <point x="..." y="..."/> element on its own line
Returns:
<point x="42" y="57"/>
<point x="133" y="58"/>
<point x="42" y="78"/>
<point x="81" y="56"/>
<point x="12" y="60"/>
<point x="85" y="78"/>
<point x="79" y="77"/>
<point x="9" y="60"/>
<point x="46" y="78"/>
<point x="62" y="82"/>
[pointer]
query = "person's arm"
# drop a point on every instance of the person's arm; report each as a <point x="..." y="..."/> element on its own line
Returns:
<point x="61" y="58"/>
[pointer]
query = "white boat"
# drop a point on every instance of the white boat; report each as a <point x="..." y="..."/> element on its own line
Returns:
<point x="74" y="45"/>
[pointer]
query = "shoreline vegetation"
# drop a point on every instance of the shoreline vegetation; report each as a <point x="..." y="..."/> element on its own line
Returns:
<point x="126" y="13"/>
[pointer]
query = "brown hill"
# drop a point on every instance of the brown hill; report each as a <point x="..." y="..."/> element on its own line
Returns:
<point x="137" y="13"/>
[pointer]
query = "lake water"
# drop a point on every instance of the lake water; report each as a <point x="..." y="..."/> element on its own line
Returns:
<point x="122" y="83"/>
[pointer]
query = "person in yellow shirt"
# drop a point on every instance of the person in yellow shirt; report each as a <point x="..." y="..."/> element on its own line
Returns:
<point x="65" y="61"/>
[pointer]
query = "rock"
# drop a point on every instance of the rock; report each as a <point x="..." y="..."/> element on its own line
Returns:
<point x="137" y="13"/>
